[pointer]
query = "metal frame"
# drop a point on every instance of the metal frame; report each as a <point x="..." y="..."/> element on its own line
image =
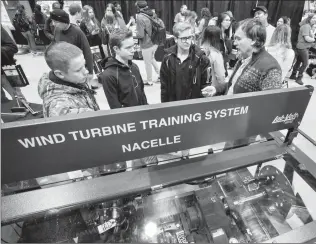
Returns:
<point x="74" y="195"/>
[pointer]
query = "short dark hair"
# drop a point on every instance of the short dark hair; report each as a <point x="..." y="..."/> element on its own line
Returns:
<point x="115" y="3"/>
<point x="74" y="8"/>
<point x="255" y="31"/>
<point x="58" y="55"/>
<point x="118" y="36"/>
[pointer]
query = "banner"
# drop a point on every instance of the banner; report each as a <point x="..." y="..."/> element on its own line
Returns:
<point x="49" y="146"/>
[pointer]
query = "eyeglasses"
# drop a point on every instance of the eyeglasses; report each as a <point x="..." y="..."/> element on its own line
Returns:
<point x="186" y="38"/>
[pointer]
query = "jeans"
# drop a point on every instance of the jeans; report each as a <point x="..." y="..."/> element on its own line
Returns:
<point x="30" y="40"/>
<point x="149" y="59"/>
<point x="301" y="61"/>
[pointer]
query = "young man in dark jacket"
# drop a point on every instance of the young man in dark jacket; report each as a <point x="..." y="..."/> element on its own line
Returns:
<point x="122" y="82"/>
<point x="121" y="79"/>
<point x="185" y="68"/>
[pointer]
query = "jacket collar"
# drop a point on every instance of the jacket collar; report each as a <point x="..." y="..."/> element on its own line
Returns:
<point x="59" y="81"/>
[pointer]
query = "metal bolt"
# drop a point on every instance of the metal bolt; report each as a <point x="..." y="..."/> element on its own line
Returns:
<point x="293" y="148"/>
<point x="299" y="122"/>
<point x="282" y="138"/>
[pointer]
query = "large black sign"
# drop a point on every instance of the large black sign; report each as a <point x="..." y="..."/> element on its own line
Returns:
<point x="50" y="146"/>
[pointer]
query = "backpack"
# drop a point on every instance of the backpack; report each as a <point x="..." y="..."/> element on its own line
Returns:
<point x="158" y="31"/>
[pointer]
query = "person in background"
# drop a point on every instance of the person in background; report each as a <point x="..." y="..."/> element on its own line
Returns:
<point x="75" y="13"/>
<point x="144" y="31"/>
<point x="64" y="31"/>
<point x="261" y="13"/>
<point x="180" y="17"/>
<point x="257" y="70"/>
<point x="280" y="48"/>
<point x="225" y="24"/>
<point x="64" y="89"/>
<point x="205" y="19"/>
<point x="191" y="18"/>
<point x="39" y="19"/>
<point x="306" y="40"/>
<point x="214" y="19"/>
<point x="211" y="46"/>
<point x="121" y="79"/>
<point x="283" y="20"/>
<point x="118" y="9"/>
<point x="49" y="28"/>
<point x="45" y="9"/>
<point x="92" y="28"/>
<point x="8" y="49"/>
<point x="111" y="21"/>
<point x="23" y="23"/>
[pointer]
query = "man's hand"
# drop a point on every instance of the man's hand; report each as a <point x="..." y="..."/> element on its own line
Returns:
<point x="209" y="91"/>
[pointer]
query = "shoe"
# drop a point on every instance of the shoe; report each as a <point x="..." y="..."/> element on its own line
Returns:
<point x="293" y="76"/>
<point x="299" y="80"/>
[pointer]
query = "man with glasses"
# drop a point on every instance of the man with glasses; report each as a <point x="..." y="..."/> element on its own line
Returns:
<point x="122" y="82"/>
<point x="185" y="70"/>
<point x="261" y="13"/>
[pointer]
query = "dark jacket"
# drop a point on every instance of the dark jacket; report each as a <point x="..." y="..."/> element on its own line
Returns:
<point x="8" y="48"/>
<point x="187" y="83"/>
<point x="144" y="28"/>
<point x="49" y="29"/>
<point x="262" y="73"/>
<point x="75" y="36"/>
<point x="123" y="85"/>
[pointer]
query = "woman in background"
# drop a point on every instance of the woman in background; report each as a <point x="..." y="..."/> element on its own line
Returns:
<point x="280" y="48"/>
<point x="283" y="21"/>
<point x="111" y="21"/>
<point x="205" y="19"/>
<point x="225" y="24"/>
<point x="211" y="45"/>
<point x="92" y="28"/>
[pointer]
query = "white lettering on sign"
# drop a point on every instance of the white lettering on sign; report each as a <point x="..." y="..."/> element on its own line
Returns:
<point x="170" y="121"/>
<point x="42" y="140"/>
<point x="226" y="112"/>
<point x="151" y="144"/>
<point x="92" y="133"/>
<point x="289" y="118"/>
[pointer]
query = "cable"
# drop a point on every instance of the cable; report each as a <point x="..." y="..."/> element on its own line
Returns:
<point x="15" y="231"/>
<point x="4" y="241"/>
<point x="18" y="225"/>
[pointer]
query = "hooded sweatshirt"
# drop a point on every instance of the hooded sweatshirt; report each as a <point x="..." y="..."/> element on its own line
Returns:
<point x="144" y="28"/>
<point x="123" y="85"/>
<point x="62" y="98"/>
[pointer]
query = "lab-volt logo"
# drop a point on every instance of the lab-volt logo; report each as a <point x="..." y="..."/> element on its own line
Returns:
<point x="286" y="119"/>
